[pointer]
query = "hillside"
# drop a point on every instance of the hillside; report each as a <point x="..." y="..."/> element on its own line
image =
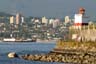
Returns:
<point x="5" y="14"/>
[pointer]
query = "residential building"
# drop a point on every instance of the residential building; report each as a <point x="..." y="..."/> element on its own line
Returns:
<point x="12" y="19"/>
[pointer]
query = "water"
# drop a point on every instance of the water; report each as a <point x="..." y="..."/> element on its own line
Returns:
<point x="24" y="48"/>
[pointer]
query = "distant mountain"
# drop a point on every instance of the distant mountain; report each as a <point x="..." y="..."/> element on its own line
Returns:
<point x="5" y="14"/>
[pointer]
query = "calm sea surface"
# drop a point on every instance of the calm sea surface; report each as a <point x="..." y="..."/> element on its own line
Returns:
<point x="24" y="48"/>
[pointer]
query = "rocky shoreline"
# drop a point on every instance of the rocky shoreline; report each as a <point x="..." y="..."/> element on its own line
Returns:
<point x="67" y="52"/>
<point x="67" y="56"/>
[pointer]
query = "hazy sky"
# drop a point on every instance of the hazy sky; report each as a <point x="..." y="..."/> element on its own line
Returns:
<point x="48" y="8"/>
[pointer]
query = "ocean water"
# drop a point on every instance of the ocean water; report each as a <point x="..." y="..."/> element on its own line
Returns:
<point x="24" y="48"/>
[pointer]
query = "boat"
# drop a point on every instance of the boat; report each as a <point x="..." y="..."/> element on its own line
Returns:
<point x="16" y="40"/>
<point x="9" y="40"/>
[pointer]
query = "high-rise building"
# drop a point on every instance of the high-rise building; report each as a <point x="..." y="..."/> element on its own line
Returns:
<point x="51" y="21"/>
<point x="22" y="19"/>
<point x="18" y="18"/>
<point x="56" y="23"/>
<point x="67" y="19"/>
<point x="11" y="19"/>
<point x="44" y="20"/>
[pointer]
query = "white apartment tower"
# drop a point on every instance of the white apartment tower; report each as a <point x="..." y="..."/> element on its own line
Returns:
<point x="11" y="19"/>
<point x="67" y="19"/>
<point x="44" y="20"/>
<point x="22" y="19"/>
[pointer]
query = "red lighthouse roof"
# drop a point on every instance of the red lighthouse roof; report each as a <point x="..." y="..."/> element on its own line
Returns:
<point x="81" y="10"/>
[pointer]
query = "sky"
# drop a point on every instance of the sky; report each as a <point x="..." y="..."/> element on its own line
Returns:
<point x="48" y="8"/>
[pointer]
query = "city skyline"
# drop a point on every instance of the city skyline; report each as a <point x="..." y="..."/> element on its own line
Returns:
<point x="48" y="8"/>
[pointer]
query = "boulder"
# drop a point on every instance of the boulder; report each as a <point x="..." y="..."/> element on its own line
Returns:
<point x="12" y="55"/>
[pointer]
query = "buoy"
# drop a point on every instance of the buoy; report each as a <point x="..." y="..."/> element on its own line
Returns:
<point x="12" y="55"/>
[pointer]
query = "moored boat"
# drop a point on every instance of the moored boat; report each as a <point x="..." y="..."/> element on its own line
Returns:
<point x="16" y="40"/>
<point x="9" y="40"/>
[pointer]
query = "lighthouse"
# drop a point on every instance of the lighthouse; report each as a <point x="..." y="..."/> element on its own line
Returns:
<point x="80" y="19"/>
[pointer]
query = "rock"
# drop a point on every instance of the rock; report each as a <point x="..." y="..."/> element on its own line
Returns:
<point x="63" y="59"/>
<point x="43" y="58"/>
<point x="30" y="57"/>
<point x="78" y="57"/>
<point x="26" y="55"/>
<point x="49" y="59"/>
<point x="37" y="57"/>
<point x="12" y="55"/>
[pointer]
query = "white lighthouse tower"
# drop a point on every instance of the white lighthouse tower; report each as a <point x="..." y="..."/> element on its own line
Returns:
<point x="80" y="19"/>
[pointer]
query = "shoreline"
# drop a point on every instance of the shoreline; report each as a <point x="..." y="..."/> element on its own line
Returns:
<point x="40" y="41"/>
<point x="46" y="41"/>
<point x="77" y="58"/>
<point x="68" y="52"/>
